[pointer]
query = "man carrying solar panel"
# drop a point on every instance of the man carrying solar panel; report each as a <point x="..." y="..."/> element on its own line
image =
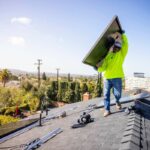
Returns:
<point x="112" y="66"/>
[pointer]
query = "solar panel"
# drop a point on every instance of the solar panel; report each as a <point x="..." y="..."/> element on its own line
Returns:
<point x="99" y="50"/>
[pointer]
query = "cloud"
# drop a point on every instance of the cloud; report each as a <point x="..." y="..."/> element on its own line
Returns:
<point x="21" y="20"/>
<point x="17" y="40"/>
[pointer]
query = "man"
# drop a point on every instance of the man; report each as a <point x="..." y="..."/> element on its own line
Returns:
<point x="112" y="66"/>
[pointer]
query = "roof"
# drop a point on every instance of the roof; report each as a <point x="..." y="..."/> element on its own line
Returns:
<point x="137" y="132"/>
<point x="104" y="133"/>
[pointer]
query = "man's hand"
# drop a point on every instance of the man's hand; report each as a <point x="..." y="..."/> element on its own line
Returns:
<point x="116" y="36"/>
<point x="118" y="40"/>
<point x="122" y="31"/>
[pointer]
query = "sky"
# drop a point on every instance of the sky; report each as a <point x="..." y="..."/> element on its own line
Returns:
<point x="61" y="33"/>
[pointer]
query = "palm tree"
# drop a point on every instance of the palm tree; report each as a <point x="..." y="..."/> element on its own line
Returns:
<point x="5" y="76"/>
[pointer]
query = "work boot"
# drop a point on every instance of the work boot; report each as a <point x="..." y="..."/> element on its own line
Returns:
<point x="118" y="106"/>
<point x="106" y="113"/>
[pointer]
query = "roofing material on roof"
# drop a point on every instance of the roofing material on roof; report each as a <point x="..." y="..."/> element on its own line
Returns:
<point x="137" y="133"/>
<point x="103" y="133"/>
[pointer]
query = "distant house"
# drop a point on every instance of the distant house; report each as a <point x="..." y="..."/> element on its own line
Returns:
<point x="139" y="74"/>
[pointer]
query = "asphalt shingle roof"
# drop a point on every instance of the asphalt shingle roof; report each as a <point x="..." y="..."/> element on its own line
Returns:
<point x="137" y="133"/>
<point x="117" y="131"/>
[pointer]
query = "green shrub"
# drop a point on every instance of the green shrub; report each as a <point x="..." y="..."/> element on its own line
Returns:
<point x="63" y="87"/>
<point x="10" y="110"/>
<point x="5" y="97"/>
<point x="84" y="88"/>
<point x="98" y="90"/>
<point x="77" y="92"/>
<point x="68" y="96"/>
<point x="7" y="119"/>
<point x="51" y="91"/>
<point x="32" y="101"/>
<point x="72" y="85"/>
<point x="24" y="107"/>
<point x="2" y="110"/>
<point x="34" y="104"/>
<point x="26" y="85"/>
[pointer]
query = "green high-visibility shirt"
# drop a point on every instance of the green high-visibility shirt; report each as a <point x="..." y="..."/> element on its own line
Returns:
<point x="112" y="65"/>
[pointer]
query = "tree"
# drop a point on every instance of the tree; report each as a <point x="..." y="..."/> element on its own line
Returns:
<point x="77" y="92"/>
<point x="84" y="88"/>
<point x="14" y="77"/>
<point x="98" y="87"/>
<point x="5" y="97"/>
<point x="70" y="94"/>
<point x="44" y="76"/>
<point x="51" y="91"/>
<point x="91" y="86"/>
<point x="97" y="91"/>
<point x="5" y="76"/>
<point x="26" y="85"/>
<point x="63" y="86"/>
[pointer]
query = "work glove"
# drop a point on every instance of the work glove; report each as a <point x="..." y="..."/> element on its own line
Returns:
<point x="122" y="31"/>
<point x="109" y="42"/>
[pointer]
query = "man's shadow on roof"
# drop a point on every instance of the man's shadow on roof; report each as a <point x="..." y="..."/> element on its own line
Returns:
<point x="119" y="111"/>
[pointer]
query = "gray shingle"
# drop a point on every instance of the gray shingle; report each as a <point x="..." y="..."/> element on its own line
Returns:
<point x="133" y="127"/>
<point x="102" y="134"/>
<point x="137" y="133"/>
<point x="132" y="139"/>
<point x="132" y="132"/>
<point x="129" y="146"/>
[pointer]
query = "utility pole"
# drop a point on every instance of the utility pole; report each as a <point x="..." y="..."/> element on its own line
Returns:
<point x="57" y="77"/>
<point x="39" y="82"/>
<point x="69" y="77"/>
<point x="38" y="67"/>
<point x="99" y="82"/>
<point x="99" y="78"/>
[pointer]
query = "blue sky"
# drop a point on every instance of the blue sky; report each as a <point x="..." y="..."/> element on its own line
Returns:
<point x="61" y="32"/>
